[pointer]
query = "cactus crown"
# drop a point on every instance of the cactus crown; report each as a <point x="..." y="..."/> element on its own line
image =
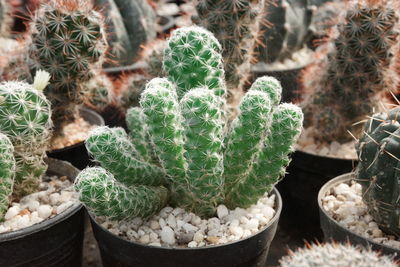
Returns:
<point x="181" y="128"/>
<point x="25" y="123"/>
<point x="378" y="169"/>
<point x="331" y="255"/>
<point x="67" y="38"/>
<point x="348" y="83"/>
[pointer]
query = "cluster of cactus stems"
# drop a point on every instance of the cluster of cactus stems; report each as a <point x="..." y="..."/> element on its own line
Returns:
<point x="25" y="126"/>
<point x="378" y="169"/>
<point x="236" y="25"/>
<point x="332" y="255"/>
<point x="179" y="140"/>
<point x="67" y="40"/>
<point x="349" y="82"/>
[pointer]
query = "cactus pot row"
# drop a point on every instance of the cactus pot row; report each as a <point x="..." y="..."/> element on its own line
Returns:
<point x="77" y="154"/>
<point x="248" y="252"/>
<point x="54" y="242"/>
<point x="334" y="231"/>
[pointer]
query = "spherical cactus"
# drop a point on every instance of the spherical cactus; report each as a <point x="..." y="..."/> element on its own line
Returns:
<point x="7" y="173"/>
<point x="332" y="255"/>
<point x="67" y="39"/>
<point x="378" y="169"/>
<point x="357" y="70"/>
<point x="99" y="92"/>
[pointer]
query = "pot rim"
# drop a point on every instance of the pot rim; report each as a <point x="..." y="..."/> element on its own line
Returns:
<point x="278" y="203"/>
<point x="47" y="223"/>
<point x="347" y="177"/>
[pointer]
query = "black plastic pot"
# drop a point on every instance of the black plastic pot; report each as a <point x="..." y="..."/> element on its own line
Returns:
<point x="334" y="231"/>
<point x="249" y="252"/>
<point x="54" y="242"/>
<point x="289" y="79"/>
<point x="306" y="174"/>
<point x="77" y="154"/>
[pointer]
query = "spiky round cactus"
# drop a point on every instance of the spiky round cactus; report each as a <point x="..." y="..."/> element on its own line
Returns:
<point x="7" y="173"/>
<point x="236" y="26"/>
<point x="350" y="80"/>
<point x="99" y="92"/>
<point x="105" y="196"/>
<point x="332" y="255"/>
<point x="378" y="170"/>
<point x="67" y="40"/>
<point x="25" y="117"/>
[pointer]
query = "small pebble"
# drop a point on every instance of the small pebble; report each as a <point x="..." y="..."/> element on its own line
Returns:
<point x="167" y="235"/>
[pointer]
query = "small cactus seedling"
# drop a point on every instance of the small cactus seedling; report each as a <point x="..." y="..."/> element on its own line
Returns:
<point x="181" y="128"/>
<point x="67" y="40"/>
<point x="357" y="71"/>
<point x="378" y="170"/>
<point x="7" y="173"/>
<point x="99" y="92"/>
<point x="332" y="255"/>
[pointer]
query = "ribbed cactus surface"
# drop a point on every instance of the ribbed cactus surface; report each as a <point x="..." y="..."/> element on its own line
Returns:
<point x="7" y="173"/>
<point x="378" y="169"/>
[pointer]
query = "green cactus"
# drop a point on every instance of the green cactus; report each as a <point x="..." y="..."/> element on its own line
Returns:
<point x="7" y="173"/>
<point x="67" y="40"/>
<point x="188" y="136"/>
<point x="378" y="170"/>
<point x="236" y="25"/>
<point x="347" y="84"/>
<point x="332" y="255"/>
<point x="25" y="117"/>
<point x="99" y="92"/>
<point x="105" y="196"/>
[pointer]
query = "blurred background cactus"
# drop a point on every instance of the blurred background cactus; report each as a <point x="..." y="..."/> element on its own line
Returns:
<point x="5" y="18"/>
<point x="182" y="124"/>
<point x="378" y="169"/>
<point x="99" y="92"/>
<point x="7" y="173"/>
<point x="67" y="40"/>
<point x="350" y="80"/>
<point x="332" y="255"/>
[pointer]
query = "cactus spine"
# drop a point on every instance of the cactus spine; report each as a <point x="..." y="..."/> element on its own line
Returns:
<point x="7" y="173"/>
<point x="331" y="255"/>
<point x="67" y="39"/>
<point x="187" y="130"/>
<point x="347" y="84"/>
<point x="378" y="169"/>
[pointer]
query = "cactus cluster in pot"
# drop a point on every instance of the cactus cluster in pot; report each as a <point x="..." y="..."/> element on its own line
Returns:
<point x="25" y="129"/>
<point x="378" y="170"/>
<point x="67" y="40"/>
<point x="180" y="150"/>
<point x="357" y="70"/>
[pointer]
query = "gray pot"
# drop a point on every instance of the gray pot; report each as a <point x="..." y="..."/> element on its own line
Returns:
<point x="54" y="242"/>
<point x="334" y="231"/>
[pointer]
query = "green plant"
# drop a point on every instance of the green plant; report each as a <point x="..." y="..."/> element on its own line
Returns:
<point x="378" y="169"/>
<point x="25" y="119"/>
<point x="99" y="92"/>
<point x="130" y="24"/>
<point x="184" y="128"/>
<point x="332" y="255"/>
<point x="7" y="173"/>
<point x="67" y="40"/>
<point x="349" y="81"/>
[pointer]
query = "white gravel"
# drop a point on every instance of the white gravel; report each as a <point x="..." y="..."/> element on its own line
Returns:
<point x="56" y="196"/>
<point x="344" y="203"/>
<point x="178" y="228"/>
<point x="307" y="143"/>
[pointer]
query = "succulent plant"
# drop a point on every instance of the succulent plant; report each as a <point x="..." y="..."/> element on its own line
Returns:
<point x="99" y="92"/>
<point x="7" y="173"/>
<point x="236" y="26"/>
<point x="25" y="118"/>
<point x="5" y="18"/>
<point x="182" y="125"/>
<point x="67" y="40"/>
<point x="378" y="169"/>
<point x="332" y="255"/>
<point x="130" y="24"/>
<point x="350" y="80"/>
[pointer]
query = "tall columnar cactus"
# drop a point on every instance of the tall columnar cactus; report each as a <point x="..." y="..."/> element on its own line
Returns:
<point x="186" y="129"/>
<point x="347" y="84"/>
<point x="7" y="173"/>
<point x="236" y="25"/>
<point x="25" y="118"/>
<point x="331" y="255"/>
<point x="67" y="40"/>
<point x="378" y="170"/>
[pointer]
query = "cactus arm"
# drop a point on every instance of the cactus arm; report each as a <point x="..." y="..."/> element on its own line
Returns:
<point x="7" y="173"/>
